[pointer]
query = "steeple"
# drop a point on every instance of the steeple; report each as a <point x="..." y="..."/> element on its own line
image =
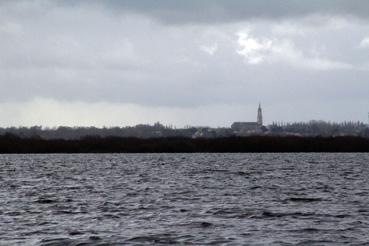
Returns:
<point x="260" y="116"/>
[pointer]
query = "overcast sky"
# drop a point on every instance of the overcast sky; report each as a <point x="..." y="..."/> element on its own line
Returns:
<point x="193" y="62"/>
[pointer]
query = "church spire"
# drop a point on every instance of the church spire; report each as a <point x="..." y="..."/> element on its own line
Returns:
<point x="260" y="116"/>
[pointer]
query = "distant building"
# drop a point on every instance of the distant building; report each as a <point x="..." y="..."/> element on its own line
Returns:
<point x="260" y="116"/>
<point x="204" y="132"/>
<point x="250" y="128"/>
<point x="244" y="126"/>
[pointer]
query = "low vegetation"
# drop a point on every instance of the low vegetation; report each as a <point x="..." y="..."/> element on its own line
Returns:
<point x="12" y="144"/>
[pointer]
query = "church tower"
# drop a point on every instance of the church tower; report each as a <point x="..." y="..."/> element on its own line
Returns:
<point x="260" y="116"/>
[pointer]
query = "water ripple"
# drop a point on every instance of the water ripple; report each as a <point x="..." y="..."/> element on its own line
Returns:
<point x="186" y="199"/>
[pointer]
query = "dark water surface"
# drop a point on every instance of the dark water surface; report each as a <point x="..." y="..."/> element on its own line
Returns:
<point x="198" y="199"/>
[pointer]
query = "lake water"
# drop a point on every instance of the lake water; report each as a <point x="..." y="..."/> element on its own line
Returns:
<point x="188" y="199"/>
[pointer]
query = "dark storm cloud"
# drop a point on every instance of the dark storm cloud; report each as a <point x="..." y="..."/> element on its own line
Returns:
<point x="208" y="11"/>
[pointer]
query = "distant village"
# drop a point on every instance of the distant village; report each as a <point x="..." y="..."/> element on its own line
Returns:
<point x="158" y="130"/>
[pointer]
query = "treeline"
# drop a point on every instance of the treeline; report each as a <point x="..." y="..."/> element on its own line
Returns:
<point x="321" y="128"/>
<point x="64" y="132"/>
<point x="13" y="144"/>
<point x="312" y="128"/>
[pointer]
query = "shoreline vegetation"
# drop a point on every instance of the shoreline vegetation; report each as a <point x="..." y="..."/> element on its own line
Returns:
<point x="158" y="130"/>
<point x="14" y="144"/>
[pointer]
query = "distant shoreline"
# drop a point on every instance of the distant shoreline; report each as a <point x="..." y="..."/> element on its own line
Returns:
<point x="252" y="144"/>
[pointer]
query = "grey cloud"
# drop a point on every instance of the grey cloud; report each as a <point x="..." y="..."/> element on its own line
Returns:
<point x="146" y="63"/>
<point x="218" y="11"/>
<point x="210" y="11"/>
<point x="80" y="51"/>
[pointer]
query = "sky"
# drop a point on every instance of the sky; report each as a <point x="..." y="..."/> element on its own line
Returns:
<point x="193" y="62"/>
